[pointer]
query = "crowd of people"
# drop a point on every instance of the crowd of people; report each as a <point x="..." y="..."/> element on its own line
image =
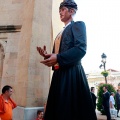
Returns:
<point x="7" y="105"/>
<point x="108" y="101"/>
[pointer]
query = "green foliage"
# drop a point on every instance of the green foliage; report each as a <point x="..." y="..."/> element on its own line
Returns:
<point x="105" y="73"/>
<point x="100" y="94"/>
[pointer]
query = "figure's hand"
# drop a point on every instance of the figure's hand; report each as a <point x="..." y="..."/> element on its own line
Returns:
<point x="42" y="51"/>
<point x="52" y="60"/>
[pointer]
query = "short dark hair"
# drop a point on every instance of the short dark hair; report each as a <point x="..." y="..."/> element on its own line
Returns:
<point x="6" y="88"/>
<point x="92" y="88"/>
<point x="38" y="112"/>
<point x="112" y="93"/>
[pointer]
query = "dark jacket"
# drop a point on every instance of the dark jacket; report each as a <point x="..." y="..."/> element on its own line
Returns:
<point x="73" y="45"/>
<point x="117" y="98"/>
<point x="94" y="99"/>
<point x="106" y="97"/>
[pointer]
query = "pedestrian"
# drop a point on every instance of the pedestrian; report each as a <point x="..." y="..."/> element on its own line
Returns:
<point x="118" y="101"/>
<point x="93" y="96"/>
<point x="106" y="105"/>
<point x="69" y="96"/>
<point x="6" y="103"/>
<point x="112" y="100"/>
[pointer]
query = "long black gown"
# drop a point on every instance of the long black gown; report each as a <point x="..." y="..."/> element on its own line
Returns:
<point x="69" y="96"/>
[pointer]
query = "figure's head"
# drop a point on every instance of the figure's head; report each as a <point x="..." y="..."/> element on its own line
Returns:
<point x="7" y="90"/>
<point x="118" y="90"/>
<point x="105" y="88"/>
<point x="92" y="89"/>
<point x="113" y="94"/>
<point x="40" y="114"/>
<point x="67" y="9"/>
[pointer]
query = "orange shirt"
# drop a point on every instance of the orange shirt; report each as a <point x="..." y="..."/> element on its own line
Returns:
<point x="8" y="114"/>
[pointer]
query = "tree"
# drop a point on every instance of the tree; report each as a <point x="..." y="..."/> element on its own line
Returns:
<point x="100" y="93"/>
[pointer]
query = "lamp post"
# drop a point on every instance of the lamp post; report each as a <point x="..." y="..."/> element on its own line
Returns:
<point x="103" y="56"/>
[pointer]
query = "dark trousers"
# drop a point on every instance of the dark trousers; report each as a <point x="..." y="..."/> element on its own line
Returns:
<point x="107" y="111"/>
<point x="118" y="108"/>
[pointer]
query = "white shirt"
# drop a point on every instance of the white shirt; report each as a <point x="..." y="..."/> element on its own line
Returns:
<point x="112" y="100"/>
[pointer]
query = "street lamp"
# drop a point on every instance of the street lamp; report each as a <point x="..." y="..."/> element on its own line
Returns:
<point x="103" y="56"/>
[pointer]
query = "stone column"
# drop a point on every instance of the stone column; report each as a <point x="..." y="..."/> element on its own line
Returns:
<point x="38" y="74"/>
<point x="33" y="77"/>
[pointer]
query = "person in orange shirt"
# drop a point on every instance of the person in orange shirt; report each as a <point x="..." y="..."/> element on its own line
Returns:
<point x="6" y="103"/>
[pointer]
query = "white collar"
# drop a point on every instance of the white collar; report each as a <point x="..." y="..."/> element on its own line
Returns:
<point x="67" y="25"/>
<point x="105" y="92"/>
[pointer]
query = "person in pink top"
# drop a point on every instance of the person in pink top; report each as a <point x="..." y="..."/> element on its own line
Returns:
<point x="39" y="115"/>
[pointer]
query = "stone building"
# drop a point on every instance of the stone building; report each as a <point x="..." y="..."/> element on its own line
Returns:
<point x="25" y="24"/>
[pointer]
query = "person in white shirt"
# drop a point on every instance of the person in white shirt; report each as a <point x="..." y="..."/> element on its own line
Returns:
<point x="112" y="100"/>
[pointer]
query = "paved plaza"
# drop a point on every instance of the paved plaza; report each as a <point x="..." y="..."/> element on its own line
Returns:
<point x="103" y="117"/>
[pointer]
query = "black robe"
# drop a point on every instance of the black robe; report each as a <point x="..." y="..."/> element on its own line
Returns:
<point x="69" y="96"/>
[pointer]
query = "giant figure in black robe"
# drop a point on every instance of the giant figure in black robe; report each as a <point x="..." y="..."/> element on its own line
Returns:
<point x="69" y="96"/>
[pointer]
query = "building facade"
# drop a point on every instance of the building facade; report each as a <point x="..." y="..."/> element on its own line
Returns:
<point x="24" y="25"/>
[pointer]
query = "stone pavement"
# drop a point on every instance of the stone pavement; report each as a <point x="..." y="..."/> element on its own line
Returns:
<point x="103" y="117"/>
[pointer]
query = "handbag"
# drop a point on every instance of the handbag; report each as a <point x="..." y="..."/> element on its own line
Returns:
<point x="113" y="113"/>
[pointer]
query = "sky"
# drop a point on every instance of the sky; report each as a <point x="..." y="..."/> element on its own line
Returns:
<point x="102" y="19"/>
